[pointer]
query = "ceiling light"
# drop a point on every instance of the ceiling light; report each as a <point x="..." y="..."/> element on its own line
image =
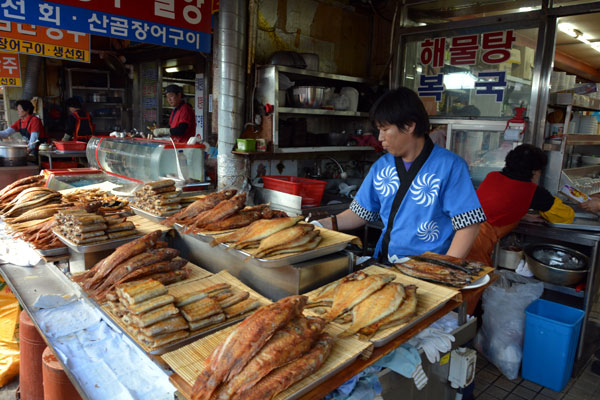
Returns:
<point x="525" y="9"/>
<point x="568" y="29"/>
<point x="170" y="70"/>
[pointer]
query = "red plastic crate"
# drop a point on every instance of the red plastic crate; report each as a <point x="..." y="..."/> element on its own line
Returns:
<point x="311" y="190"/>
<point x="71" y="145"/>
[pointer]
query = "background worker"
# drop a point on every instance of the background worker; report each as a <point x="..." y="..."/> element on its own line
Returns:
<point x="422" y="192"/>
<point x="507" y="195"/>
<point x="79" y="122"/>
<point x="28" y="125"/>
<point x="182" y="122"/>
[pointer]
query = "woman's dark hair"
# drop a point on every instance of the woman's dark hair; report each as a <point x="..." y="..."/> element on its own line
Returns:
<point x="25" y="105"/>
<point x="74" y="102"/>
<point x="523" y="160"/>
<point x="401" y="107"/>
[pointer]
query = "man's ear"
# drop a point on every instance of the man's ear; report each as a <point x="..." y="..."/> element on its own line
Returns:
<point x="410" y="128"/>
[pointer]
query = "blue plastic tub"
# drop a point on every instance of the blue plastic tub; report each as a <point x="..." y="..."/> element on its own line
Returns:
<point x="551" y="336"/>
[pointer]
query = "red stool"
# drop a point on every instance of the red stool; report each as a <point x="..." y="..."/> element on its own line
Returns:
<point x="57" y="385"/>
<point x="31" y="347"/>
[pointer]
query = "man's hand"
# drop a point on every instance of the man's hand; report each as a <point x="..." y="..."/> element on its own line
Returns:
<point x="592" y="205"/>
<point x="161" y="132"/>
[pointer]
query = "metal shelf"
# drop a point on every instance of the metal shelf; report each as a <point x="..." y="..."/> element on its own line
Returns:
<point x="578" y="101"/>
<point x="317" y="74"/>
<point x="321" y="111"/>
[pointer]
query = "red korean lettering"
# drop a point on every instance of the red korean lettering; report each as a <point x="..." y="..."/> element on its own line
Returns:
<point x="496" y="46"/>
<point x="463" y="50"/>
<point x="432" y="52"/>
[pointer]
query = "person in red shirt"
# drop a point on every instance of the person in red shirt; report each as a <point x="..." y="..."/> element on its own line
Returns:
<point x="28" y="125"/>
<point x="507" y="195"/>
<point x="182" y="122"/>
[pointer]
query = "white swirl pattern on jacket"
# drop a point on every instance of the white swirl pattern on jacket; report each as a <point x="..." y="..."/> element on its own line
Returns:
<point x="425" y="189"/>
<point x="387" y="181"/>
<point x="428" y="231"/>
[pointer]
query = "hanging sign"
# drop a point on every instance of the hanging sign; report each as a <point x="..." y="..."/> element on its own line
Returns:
<point x="493" y="48"/>
<point x="199" y="105"/>
<point x="184" y="24"/>
<point x="43" y="41"/>
<point x="10" y="71"/>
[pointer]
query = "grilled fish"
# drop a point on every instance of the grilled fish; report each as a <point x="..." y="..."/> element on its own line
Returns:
<point x="376" y="307"/>
<point x="284" y="239"/>
<point x="256" y="231"/>
<point x="170" y="325"/>
<point x="163" y="340"/>
<point x="222" y="210"/>
<point x="242" y="307"/>
<point x="201" y="309"/>
<point x="139" y="291"/>
<point x="198" y="206"/>
<point x="154" y="316"/>
<point x="353" y="289"/>
<point x="242" y="218"/>
<point x="284" y="377"/>
<point x="228" y="359"/>
<point x="313" y="241"/>
<point x="433" y="273"/>
<point x="287" y="344"/>
<point x="407" y="309"/>
<point x="215" y="319"/>
<point x="185" y="299"/>
<point x="151" y="304"/>
<point x="325" y="296"/>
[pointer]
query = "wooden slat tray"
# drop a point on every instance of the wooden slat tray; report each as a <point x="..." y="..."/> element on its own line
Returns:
<point x="196" y="273"/>
<point x="430" y="297"/>
<point x="188" y="361"/>
<point x="190" y="286"/>
<point x="145" y="226"/>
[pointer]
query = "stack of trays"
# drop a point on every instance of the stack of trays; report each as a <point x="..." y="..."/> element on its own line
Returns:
<point x="158" y="198"/>
<point x="81" y="227"/>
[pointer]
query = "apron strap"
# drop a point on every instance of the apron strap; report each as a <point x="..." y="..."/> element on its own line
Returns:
<point x="406" y="178"/>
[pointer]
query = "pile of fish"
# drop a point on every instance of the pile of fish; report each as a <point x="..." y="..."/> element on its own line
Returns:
<point x="437" y="268"/>
<point x="157" y="317"/>
<point x="82" y="227"/>
<point x="146" y="257"/>
<point x="30" y="199"/>
<point x="265" y="354"/>
<point x="107" y="202"/>
<point x="368" y="302"/>
<point x="159" y="198"/>
<point x="8" y="193"/>
<point x="272" y="237"/>
<point x="219" y="212"/>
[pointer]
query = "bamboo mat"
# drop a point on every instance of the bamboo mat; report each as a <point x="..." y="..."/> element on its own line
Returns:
<point x="196" y="273"/>
<point x="145" y="226"/>
<point x="192" y="286"/>
<point x="188" y="361"/>
<point x="430" y="297"/>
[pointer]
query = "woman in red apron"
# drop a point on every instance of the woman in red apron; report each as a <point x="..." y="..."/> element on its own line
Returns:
<point x="28" y="125"/>
<point x="79" y="123"/>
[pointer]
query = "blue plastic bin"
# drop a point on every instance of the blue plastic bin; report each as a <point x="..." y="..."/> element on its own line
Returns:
<point x="551" y="336"/>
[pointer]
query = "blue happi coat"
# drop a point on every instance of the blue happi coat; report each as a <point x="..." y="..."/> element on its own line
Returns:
<point x="440" y="200"/>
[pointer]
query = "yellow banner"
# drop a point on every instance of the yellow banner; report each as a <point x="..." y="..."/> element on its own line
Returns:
<point x="10" y="81"/>
<point x="44" y="49"/>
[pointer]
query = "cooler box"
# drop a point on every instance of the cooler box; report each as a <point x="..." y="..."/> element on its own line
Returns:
<point x="551" y="336"/>
<point x="311" y="190"/>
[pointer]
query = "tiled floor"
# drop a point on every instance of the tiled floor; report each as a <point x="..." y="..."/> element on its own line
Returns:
<point x="490" y="384"/>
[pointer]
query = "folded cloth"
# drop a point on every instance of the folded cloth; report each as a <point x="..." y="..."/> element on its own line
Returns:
<point x="433" y="342"/>
<point x="406" y="361"/>
<point x="523" y="269"/>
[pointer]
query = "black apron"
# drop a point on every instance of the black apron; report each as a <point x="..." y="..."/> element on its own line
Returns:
<point x="25" y="131"/>
<point x="406" y="178"/>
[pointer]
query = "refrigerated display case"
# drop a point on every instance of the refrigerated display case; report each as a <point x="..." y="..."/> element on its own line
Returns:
<point x="148" y="160"/>
<point x="481" y="143"/>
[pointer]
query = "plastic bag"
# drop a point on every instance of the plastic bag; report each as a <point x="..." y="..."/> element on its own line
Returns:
<point x="500" y="338"/>
<point x="9" y="345"/>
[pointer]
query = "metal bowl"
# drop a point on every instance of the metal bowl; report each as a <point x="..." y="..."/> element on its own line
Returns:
<point x="12" y="155"/>
<point x="308" y="96"/>
<point x="556" y="264"/>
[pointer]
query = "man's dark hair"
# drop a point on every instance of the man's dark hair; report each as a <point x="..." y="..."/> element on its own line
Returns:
<point x="25" y="105"/>
<point x="401" y="107"/>
<point x="523" y="160"/>
<point x="74" y="102"/>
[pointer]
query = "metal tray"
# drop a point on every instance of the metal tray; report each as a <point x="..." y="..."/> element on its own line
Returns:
<point x="94" y="247"/>
<point x="154" y="218"/>
<point x="291" y="259"/>
<point x="52" y="252"/>
<point x="579" y="224"/>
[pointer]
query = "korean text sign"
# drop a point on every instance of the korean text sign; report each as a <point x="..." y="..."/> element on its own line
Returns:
<point x="10" y="71"/>
<point x="43" y="41"/>
<point x="182" y="24"/>
<point x="489" y="49"/>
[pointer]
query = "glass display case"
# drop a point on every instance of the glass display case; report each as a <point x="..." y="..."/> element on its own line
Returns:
<point x="481" y="143"/>
<point x="148" y="160"/>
